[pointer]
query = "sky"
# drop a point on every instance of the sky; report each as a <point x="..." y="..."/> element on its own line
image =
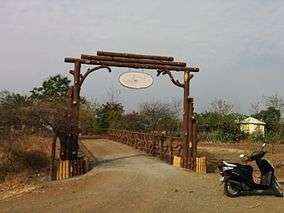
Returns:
<point x="238" y="45"/>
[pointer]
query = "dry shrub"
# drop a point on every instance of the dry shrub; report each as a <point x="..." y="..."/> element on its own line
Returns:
<point x="25" y="156"/>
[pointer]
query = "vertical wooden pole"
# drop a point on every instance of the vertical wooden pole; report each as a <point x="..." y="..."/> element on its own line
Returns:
<point x="57" y="170"/>
<point x="60" y="169"/>
<point x="66" y="140"/>
<point x="75" y="109"/>
<point x="190" y="130"/>
<point x="194" y="143"/>
<point x="162" y="140"/>
<point x="171" y="155"/>
<point x="52" y="160"/>
<point x="185" y="118"/>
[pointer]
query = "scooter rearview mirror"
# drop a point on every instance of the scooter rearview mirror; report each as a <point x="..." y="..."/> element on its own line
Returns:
<point x="243" y="157"/>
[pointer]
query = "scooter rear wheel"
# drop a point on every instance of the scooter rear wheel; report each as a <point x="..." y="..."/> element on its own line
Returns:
<point x="231" y="190"/>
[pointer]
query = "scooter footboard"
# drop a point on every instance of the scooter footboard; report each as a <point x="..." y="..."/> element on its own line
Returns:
<point x="238" y="185"/>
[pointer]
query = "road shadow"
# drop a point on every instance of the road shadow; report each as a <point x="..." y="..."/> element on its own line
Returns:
<point x="110" y="160"/>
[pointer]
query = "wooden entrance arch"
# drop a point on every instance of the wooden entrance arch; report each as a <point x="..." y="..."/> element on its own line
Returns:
<point x="162" y="64"/>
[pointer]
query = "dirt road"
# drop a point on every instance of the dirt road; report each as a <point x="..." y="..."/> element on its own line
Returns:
<point x="126" y="180"/>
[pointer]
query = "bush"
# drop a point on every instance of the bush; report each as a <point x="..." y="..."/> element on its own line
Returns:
<point x="269" y="137"/>
<point x="217" y="127"/>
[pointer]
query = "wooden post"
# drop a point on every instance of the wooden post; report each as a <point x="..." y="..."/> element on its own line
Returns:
<point x="185" y="118"/>
<point x="171" y="154"/>
<point x="52" y="160"/>
<point x="162" y="140"/>
<point x="190" y="130"/>
<point x="194" y="143"/>
<point x="74" y="146"/>
<point x="201" y="165"/>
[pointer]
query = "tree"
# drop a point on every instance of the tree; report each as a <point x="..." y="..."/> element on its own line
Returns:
<point x="48" y="110"/>
<point x="47" y="116"/>
<point x="109" y="115"/>
<point x="176" y="106"/>
<point x="10" y="109"/>
<point x="271" y="116"/>
<point x="133" y="121"/>
<point x="54" y="88"/>
<point x="113" y="94"/>
<point x="170" y="123"/>
<point x="255" y="107"/>
<point x="153" y="112"/>
<point x="274" y="101"/>
<point x="87" y="118"/>
<point x="214" y="126"/>
<point x="160" y="116"/>
<point x="13" y="100"/>
<point x="221" y="106"/>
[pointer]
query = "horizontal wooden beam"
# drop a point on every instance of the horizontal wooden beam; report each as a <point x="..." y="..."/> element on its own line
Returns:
<point x="129" y="55"/>
<point x="132" y="60"/>
<point x="130" y="65"/>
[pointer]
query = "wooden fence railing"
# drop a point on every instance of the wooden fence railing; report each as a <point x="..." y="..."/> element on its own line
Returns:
<point x="164" y="147"/>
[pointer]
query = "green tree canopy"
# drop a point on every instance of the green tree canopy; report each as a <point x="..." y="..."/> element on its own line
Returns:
<point x="271" y="116"/>
<point x="109" y="115"/>
<point x="13" y="100"/>
<point x="220" y="127"/>
<point x="54" y="88"/>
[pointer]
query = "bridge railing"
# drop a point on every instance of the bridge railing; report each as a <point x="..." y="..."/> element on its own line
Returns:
<point x="154" y="144"/>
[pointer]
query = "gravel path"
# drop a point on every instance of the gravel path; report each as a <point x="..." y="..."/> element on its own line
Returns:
<point x="126" y="180"/>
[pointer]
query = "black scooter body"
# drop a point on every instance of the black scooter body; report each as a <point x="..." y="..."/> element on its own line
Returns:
<point x="238" y="178"/>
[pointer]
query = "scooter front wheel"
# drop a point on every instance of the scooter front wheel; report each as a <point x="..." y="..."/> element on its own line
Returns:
<point x="231" y="190"/>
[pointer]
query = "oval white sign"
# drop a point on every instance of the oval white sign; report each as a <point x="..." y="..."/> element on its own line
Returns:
<point x="136" y="80"/>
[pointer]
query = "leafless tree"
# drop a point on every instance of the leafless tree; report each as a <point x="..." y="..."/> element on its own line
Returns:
<point x="255" y="107"/>
<point x="176" y="107"/>
<point x="154" y="112"/>
<point x="221" y="106"/>
<point x="274" y="101"/>
<point x="113" y="94"/>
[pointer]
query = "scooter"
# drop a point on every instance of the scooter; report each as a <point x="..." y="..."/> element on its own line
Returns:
<point x="238" y="178"/>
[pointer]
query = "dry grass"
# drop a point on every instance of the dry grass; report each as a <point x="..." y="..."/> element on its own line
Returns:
<point x="24" y="162"/>
<point x="24" y="156"/>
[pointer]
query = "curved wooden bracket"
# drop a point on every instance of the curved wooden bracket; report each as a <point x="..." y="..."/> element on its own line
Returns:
<point x="90" y="70"/>
<point x="175" y="82"/>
